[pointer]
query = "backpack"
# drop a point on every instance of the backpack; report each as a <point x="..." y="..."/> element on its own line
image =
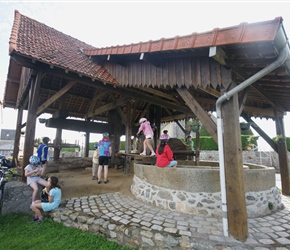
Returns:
<point x="44" y="196"/>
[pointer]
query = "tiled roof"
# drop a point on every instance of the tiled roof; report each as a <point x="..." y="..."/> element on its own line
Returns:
<point x="243" y="33"/>
<point x="53" y="47"/>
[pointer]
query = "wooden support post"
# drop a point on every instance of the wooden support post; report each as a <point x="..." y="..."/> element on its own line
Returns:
<point x="157" y="132"/>
<point x="283" y="156"/>
<point x="197" y="148"/>
<point x="57" y="141"/>
<point x="17" y="137"/>
<point x="234" y="172"/>
<point x="34" y="97"/>
<point x="87" y="144"/>
<point x="117" y="134"/>
<point x="58" y="135"/>
<point x="128" y="130"/>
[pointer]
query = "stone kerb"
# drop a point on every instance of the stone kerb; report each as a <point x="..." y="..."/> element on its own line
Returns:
<point x="196" y="190"/>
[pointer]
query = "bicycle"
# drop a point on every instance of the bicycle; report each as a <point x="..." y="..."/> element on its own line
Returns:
<point x="6" y="174"/>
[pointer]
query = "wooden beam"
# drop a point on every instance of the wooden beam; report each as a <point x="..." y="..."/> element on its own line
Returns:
<point x="122" y="115"/>
<point x="124" y="91"/>
<point x="218" y="54"/>
<point x="108" y="107"/>
<point x="260" y="112"/>
<point x="210" y="91"/>
<point x="243" y="99"/>
<point x="151" y="59"/>
<point x="206" y="121"/>
<point x="56" y="96"/>
<point x="77" y="125"/>
<point x="160" y="93"/>
<point x="260" y="131"/>
<point x="94" y="100"/>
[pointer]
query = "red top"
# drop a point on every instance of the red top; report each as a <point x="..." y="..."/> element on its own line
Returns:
<point x="165" y="158"/>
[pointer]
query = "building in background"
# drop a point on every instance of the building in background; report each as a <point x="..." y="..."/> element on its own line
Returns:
<point x="7" y="142"/>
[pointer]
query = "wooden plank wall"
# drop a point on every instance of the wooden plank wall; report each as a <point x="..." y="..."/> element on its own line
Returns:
<point x="196" y="72"/>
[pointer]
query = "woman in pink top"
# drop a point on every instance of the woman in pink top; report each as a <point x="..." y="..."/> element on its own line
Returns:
<point x="148" y="133"/>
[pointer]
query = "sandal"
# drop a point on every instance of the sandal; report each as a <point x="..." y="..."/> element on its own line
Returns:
<point x="106" y="181"/>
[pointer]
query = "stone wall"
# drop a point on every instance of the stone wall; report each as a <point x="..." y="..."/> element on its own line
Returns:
<point x="265" y="158"/>
<point x="200" y="194"/>
<point x="68" y="163"/>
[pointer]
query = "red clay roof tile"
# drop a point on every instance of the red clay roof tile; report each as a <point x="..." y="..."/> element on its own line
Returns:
<point x="53" y="47"/>
<point x="243" y="33"/>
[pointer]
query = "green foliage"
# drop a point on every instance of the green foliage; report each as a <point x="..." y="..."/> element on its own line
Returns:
<point x="17" y="232"/>
<point x="91" y="145"/>
<point x="288" y="143"/>
<point x="206" y="143"/>
<point x="122" y="145"/>
<point x="203" y="132"/>
<point x="69" y="149"/>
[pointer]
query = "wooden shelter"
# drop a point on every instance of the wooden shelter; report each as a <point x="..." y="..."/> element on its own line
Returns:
<point x="243" y="68"/>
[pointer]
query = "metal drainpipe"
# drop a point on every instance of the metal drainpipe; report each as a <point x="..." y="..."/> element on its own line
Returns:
<point x="226" y="96"/>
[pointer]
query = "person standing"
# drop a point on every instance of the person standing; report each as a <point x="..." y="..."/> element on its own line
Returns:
<point x="104" y="152"/>
<point x="145" y="127"/>
<point x="164" y="154"/>
<point x="42" y="152"/>
<point x="190" y="145"/>
<point x="54" y="199"/>
<point x="165" y="134"/>
<point x="95" y="161"/>
<point x="189" y="142"/>
<point x="34" y="172"/>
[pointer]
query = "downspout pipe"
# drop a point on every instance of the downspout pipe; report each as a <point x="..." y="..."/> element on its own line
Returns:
<point x="284" y="55"/>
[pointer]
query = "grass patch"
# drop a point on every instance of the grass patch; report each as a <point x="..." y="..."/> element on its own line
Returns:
<point x="18" y="232"/>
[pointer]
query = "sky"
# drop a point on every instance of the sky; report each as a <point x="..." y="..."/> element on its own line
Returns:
<point x="110" y="23"/>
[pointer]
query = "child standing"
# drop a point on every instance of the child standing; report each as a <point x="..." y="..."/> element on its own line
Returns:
<point x="34" y="171"/>
<point x="104" y="152"/>
<point x="145" y="127"/>
<point x="42" y="152"/>
<point x="189" y="142"/>
<point x="165" y="134"/>
<point x="95" y="161"/>
<point x="164" y="154"/>
<point x="54" y="199"/>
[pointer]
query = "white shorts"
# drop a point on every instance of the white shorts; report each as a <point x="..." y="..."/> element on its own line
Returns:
<point x="149" y="136"/>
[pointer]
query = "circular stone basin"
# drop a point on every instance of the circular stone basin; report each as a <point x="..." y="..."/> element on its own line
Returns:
<point x="196" y="189"/>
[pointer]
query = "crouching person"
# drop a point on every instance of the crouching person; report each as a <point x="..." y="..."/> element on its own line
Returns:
<point x="54" y="199"/>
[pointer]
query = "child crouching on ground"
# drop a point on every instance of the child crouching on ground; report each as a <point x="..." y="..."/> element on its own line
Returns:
<point x="54" y="199"/>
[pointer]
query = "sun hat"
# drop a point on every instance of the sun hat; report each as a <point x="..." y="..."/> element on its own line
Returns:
<point x="142" y="120"/>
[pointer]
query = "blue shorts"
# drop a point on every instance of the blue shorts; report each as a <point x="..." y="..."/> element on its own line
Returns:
<point x="47" y="206"/>
<point x="171" y="164"/>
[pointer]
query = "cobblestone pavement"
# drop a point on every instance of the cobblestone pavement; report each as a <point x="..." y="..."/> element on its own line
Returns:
<point x="268" y="232"/>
